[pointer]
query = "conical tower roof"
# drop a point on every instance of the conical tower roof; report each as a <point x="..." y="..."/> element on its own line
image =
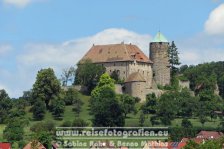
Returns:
<point x="159" y="38"/>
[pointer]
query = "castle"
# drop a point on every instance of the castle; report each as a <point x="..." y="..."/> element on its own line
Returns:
<point x="141" y="74"/>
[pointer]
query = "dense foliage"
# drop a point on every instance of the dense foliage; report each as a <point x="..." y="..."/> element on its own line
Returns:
<point x="46" y="87"/>
<point x="88" y="74"/>
<point x="105" y="108"/>
<point x="205" y="76"/>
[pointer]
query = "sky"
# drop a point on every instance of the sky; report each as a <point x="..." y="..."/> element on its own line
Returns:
<point x="36" y="34"/>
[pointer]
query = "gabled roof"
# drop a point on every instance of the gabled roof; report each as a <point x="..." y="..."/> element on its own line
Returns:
<point x="135" y="77"/>
<point x="5" y="146"/>
<point x="159" y="38"/>
<point x="114" y="53"/>
<point x="209" y="134"/>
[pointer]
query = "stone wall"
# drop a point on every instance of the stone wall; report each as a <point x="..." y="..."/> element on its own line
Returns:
<point x="118" y="89"/>
<point x="159" y="56"/>
<point x="124" y="69"/>
<point x="184" y="84"/>
<point x="136" y="89"/>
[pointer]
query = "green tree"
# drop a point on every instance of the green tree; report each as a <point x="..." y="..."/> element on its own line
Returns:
<point x="105" y="108"/>
<point x="167" y="107"/>
<point x="141" y="119"/>
<point x="128" y="104"/>
<point x="58" y="107"/>
<point x="221" y="86"/>
<point x="14" y="131"/>
<point x="186" y="123"/>
<point x="151" y="104"/>
<point x="38" y="110"/>
<point x="71" y="96"/>
<point x="46" y="86"/>
<point x="173" y="58"/>
<point x="77" y="106"/>
<point x="5" y="105"/>
<point x="45" y="138"/>
<point x="88" y="74"/>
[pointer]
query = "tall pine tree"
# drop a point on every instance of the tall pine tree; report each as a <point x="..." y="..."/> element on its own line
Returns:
<point x="174" y="59"/>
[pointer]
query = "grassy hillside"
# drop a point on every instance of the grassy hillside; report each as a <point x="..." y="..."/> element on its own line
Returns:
<point x="131" y="121"/>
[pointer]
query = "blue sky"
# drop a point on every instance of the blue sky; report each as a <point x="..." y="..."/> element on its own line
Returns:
<point x="37" y="34"/>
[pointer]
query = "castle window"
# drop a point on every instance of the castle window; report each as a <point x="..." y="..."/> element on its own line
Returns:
<point x="110" y="70"/>
<point x="143" y="72"/>
<point x="114" y="64"/>
<point x="124" y="72"/>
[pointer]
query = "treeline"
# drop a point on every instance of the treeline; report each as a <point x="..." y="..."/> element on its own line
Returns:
<point x="205" y="76"/>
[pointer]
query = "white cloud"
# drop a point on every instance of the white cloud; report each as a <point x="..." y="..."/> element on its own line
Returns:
<point x="59" y="56"/>
<point x="69" y="52"/>
<point x="20" y="3"/>
<point x="215" y="23"/>
<point x="5" y="48"/>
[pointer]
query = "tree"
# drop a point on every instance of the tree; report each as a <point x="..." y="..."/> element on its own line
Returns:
<point x="58" y="107"/>
<point x="38" y="110"/>
<point x="5" y="105"/>
<point x="68" y="75"/>
<point x="46" y="86"/>
<point x="202" y="119"/>
<point x="127" y="104"/>
<point x="77" y="106"/>
<point x="88" y="74"/>
<point x="45" y="138"/>
<point x="186" y="123"/>
<point x="14" y="131"/>
<point x="221" y="86"/>
<point x="71" y="96"/>
<point x="151" y="104"/>
<point x="105" y="108"/>
<point x="141" y="119"/>
<point x="167" y="107"/>
<point x="173" y="58"/>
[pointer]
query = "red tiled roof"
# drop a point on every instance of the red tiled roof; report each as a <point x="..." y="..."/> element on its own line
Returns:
<point x="5" y="146"/>
<point x="209" y="134"/>
<point x="115" y="52"/>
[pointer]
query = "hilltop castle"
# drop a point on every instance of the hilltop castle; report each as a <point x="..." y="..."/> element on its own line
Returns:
<point x="141" y="74"/>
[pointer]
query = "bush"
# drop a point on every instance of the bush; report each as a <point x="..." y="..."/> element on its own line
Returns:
<point x="78" y="122"/>
<point x="66" y="124"/>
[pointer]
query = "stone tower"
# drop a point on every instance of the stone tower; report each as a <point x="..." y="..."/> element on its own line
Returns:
<point x="159" y="55"/>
